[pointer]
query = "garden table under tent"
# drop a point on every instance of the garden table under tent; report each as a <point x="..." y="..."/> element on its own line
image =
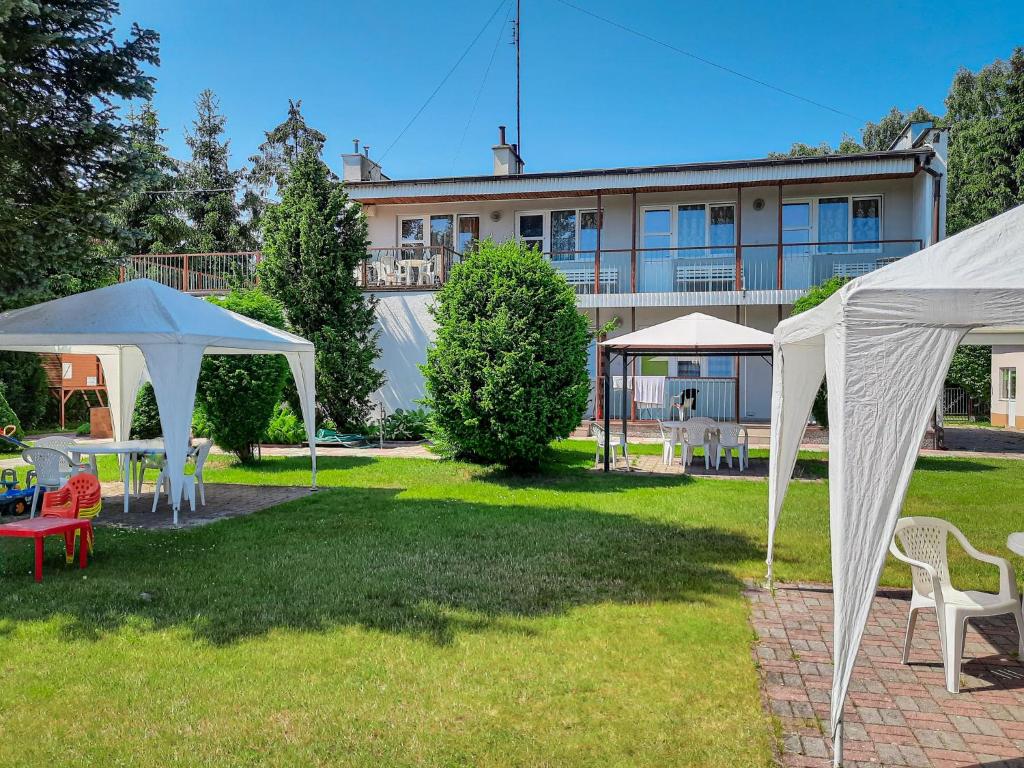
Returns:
<point x="695" y="334"/>
<point x="143" y="330"/>
<point x="883" y="343"/>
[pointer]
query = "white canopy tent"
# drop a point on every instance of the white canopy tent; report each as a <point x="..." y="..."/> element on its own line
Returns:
<point x="141" y="328"/>
<point x="884" y="343"/>
<point x="692" y="334"/>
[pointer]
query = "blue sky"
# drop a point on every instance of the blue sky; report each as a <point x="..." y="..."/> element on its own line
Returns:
<point x="593" y="95"/>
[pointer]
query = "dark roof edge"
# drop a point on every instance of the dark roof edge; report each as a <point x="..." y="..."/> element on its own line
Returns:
<point x="709" y="166"/>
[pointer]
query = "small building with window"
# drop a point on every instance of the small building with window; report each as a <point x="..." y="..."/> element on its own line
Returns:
<point x="737" y="239"/>
<point x="1006" y="362"/>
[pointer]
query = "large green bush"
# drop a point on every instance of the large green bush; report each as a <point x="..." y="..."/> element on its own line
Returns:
<point x="238" y="393"/>
<point x="508" y="372"/>
<point x="971" y="369"/>
<point x="25" y="386"/>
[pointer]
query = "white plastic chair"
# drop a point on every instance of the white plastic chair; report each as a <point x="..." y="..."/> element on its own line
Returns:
<point x="615" y="440"/>
<point x="669" y="441"/>
<point x="197" y="455"/>
<point x="702" y="431"/>
<point x="924" y="540"/>
<point x="733" y="437"/>
<point x="52" y="468"/>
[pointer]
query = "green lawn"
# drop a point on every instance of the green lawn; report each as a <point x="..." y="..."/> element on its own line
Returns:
<point x="428" y="613"/>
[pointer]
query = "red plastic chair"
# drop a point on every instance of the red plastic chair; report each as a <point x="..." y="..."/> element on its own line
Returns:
<point x="80" y="497"/>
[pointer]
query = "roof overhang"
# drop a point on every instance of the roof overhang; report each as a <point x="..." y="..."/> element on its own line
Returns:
<point x="732" y="174"/>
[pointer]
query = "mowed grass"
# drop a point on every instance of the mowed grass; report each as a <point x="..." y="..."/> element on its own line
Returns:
<point x="424" y="613"/>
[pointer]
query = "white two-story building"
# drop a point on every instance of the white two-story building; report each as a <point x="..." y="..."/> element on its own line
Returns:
<point x="739" y="239"/>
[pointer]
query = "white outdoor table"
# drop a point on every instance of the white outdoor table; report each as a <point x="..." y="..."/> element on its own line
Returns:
<point x="1015" y="543"/>
<point x="127" y="450"/>
<point x="676" y="427"/>
<point x="408" y="265"/>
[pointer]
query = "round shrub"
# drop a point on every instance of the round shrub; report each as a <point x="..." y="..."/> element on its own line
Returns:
<point x="508" y="372"/>
<point x="238" y="393"/>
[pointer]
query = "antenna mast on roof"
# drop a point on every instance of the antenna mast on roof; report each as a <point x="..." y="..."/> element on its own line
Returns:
<point x="516" y="38"/>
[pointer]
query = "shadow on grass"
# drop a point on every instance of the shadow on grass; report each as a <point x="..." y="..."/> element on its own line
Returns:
<point x="370" y="557"/>
<point x="944" y="464"/>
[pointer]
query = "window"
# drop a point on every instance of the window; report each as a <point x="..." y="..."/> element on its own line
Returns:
<point x="866" y="226"/>
<point x="411" y="237"/>
<point x="441" y="233"/>
<point x="1007" y="383"/>
<point x="722" y="228"/>
<point x="657" y="232"/>
<point x="587" y="242"/>
<point x="697" y="226"/>
<point x="469" y="233"/>
<point x="834" y="222"/>
<point x="688" y="368"/>
<point x="721" y="366"/>
<point x="531" y="229"/>
<point x="796" y="226"/>
<point x="563" y="235"/>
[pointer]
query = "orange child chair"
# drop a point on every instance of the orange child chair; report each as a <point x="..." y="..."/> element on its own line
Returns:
<point x="80" y="497"/>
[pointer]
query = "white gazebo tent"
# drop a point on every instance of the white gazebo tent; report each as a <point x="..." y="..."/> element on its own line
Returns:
<point x="884" y="343"/>
<point x="141" y="327"/>
<point x="692" y="334"/>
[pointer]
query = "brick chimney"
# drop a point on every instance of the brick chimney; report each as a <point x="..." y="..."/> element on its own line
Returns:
<point x="506" y="156"/>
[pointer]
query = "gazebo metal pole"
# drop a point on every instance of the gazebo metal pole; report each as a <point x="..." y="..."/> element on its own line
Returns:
<point x="625" y="402"/>
<point x="606" y="360"/>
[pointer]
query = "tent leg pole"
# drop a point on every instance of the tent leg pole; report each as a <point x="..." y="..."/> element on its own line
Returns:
<point x="625" y="403"/>
<point x="837" y="745"/>
<point x="606" y="359"/>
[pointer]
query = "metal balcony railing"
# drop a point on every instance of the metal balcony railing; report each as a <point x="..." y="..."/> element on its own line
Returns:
<point x="704" y="269"/>
<point x="197" y="273"/>
<point x="715" y="398"/>
<point x="407" y="267"/>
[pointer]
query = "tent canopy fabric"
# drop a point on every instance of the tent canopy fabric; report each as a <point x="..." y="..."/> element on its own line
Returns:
<point x="695" y="333"/>
<point x="141" y="329"/>
<point x="884" y="343"/>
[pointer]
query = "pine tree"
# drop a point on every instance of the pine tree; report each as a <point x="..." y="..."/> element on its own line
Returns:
<point x="210" y="203"/>
<point x="65" y="155"/>
<point x="283" y="147"/>
<point x="149" y="220"/>
<point x="314" y="242"/>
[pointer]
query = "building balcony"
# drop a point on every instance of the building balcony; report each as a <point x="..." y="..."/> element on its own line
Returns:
<point x="776" y="274"/>
<point x="715" y="397"/>
<point x="725" y="268"/>
<point x="406" y="268"/>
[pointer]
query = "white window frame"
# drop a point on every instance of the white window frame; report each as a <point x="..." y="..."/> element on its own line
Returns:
<point x="673" y="224"/>
<point x="546" y="239"/>
<point x="545" y="245"/>
<point x="458" y="228"/>
<point x="1004" y="383"/>
<point x="814" y="235"/>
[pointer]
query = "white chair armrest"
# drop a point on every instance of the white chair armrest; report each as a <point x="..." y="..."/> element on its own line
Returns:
<point x="932" y="573"/>
<point x="1007" y="578"/>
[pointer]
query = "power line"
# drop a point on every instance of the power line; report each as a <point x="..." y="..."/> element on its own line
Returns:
<point x="444" y="79"/>
<point x="709" y="62"/>
<point x="483" y="82"/>
<point x="185" y="191"/>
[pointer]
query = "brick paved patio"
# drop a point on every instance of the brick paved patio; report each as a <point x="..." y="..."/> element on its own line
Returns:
<point x="896" y="714"/>
<point x="222" y="501"/>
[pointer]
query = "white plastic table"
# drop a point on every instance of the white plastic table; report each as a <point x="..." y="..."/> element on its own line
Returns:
<point x="676" y="427"/>
<point x="127" y="449"/>
<point x="1015" y="543"/>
